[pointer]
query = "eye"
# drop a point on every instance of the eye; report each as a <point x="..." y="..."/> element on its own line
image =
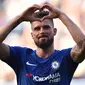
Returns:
<point x="46" y="27"/>
<point x="37" y="28"/>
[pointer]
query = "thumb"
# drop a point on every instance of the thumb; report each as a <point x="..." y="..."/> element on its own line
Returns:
<point x="36" y="19"/>
<point x="46" y="17"/>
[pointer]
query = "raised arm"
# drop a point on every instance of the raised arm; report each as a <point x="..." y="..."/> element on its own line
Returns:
<point x="78" y="51"/>
<point x="27" y="15"/>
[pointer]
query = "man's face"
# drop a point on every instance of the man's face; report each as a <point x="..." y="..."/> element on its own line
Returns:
<point x="43" y="33"/>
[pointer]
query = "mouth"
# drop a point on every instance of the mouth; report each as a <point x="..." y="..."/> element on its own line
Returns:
<point x="43" y="36"/>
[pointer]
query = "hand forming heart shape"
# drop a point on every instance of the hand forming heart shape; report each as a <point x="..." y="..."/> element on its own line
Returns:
<point x="45" y="11"/>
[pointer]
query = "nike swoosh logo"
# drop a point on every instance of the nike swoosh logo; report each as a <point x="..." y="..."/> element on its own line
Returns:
<point x="30" y="64"/>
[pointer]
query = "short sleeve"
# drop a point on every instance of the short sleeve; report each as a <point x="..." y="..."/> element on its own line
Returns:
<point x="15" y="57"/>
<point x="71" y="65"/>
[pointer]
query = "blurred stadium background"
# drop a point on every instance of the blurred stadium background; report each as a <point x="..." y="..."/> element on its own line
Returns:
<point x="75" y="9"/>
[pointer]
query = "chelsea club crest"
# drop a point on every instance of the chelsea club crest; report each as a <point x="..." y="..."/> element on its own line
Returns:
<point x="55" y="65"/>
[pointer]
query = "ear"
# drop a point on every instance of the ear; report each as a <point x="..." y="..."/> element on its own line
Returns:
<point x="55" y="31"/>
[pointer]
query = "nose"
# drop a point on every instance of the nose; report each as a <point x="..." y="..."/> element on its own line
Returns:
<point x="42" y="30"/>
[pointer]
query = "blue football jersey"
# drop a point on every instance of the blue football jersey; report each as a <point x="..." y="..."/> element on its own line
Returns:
<point x="30" y="69"/>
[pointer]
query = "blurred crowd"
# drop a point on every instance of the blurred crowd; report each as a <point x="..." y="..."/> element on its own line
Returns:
<point x="75" y="9"/>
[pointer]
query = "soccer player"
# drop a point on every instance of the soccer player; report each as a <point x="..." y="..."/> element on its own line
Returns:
<point x="45" y="65"/>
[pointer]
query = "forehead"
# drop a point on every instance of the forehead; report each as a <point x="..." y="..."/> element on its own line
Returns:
<point x="42" y="23"/>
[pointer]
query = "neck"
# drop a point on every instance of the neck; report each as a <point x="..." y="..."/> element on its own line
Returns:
<point x="44" y="53"/>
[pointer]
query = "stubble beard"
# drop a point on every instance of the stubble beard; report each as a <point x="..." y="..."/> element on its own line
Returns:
<point x="44" y="45"/>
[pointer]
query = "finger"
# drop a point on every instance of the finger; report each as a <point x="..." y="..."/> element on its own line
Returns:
<point x="35" y="19"/>
<point x="35" y="7"/>
<point x="46" y="17"/>
<point x="49" y="16"/>
<point x="46" y="6"/>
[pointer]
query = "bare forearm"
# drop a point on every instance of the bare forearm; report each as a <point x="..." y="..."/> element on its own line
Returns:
<point x="74" y="30"/>
<point x="24" y="16"/>
<point x="78" y="51"/>
<point x="6" y="29"/>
